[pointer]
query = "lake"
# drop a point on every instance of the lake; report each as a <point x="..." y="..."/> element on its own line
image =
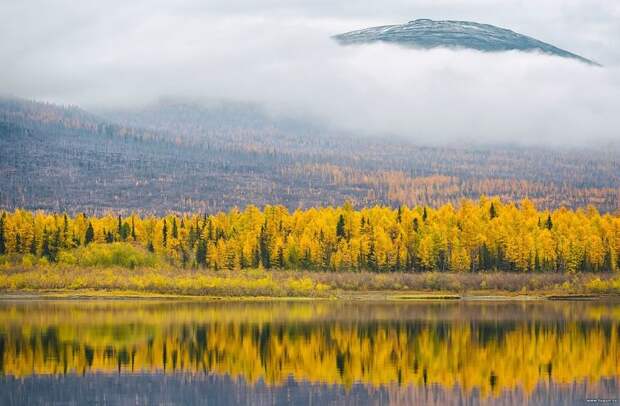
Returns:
<point x="308" y="352"/>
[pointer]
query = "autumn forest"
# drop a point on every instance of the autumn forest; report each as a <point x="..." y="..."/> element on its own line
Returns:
<point x="474" y="236"/>
<point x="303" y="203"/>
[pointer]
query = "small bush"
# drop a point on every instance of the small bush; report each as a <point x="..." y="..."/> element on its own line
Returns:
<point x="597" y="285"/>
<point x="109" y="255"/>
<point x="66" y="258"/>
<point x="28" y="261"/>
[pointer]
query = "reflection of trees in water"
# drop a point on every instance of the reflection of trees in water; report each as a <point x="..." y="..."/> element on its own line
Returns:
<point x="483" y="355"/>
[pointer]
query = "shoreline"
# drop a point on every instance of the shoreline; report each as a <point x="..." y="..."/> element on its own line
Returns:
<point x="345" y="296"/>
<point x="259" y="283"/>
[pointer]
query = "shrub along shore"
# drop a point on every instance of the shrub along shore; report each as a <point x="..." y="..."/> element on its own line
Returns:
<point x="118" y="268"/>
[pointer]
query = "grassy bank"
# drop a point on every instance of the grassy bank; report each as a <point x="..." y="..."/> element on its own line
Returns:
<point x="121" y="269"/>
<point x="255" y="283"/>
<point x="162" y="281"/>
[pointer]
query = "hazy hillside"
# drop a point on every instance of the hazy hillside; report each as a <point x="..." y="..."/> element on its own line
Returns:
<point x="175" y="156"/>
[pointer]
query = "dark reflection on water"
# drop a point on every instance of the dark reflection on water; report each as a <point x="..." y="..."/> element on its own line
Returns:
<point x="181" y="389"/>
<point x="143" y="352"/>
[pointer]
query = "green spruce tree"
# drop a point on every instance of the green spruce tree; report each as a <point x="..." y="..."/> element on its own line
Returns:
<point x="175" y="232"/>
<point x="340" y="230"/>
<point x="133" y="229"/>
<point x="89" y="236"/>
<point x="549" y="223"/>
<point x="2" y="235"/>
<point x="164" y="234"/>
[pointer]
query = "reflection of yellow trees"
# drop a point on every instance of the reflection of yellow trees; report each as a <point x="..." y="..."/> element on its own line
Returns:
<point x="472" y="354"/>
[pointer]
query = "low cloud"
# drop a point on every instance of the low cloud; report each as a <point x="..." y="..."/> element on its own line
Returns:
<point x="282" y="57"/>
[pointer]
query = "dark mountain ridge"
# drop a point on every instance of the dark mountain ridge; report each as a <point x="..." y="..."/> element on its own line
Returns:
<point x="427" y="34"/>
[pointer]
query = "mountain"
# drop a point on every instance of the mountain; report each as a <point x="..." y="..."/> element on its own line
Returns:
<point x="191" y="157"/>
<point x="425" y="33"/>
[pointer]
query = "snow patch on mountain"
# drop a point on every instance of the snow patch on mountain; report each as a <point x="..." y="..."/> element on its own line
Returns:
<point x="427" y="34"/>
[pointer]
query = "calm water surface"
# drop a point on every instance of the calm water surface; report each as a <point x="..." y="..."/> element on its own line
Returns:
<point x="154" y="352"/>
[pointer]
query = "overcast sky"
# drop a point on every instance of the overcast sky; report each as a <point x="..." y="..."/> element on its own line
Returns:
<point x="278" y="53"/>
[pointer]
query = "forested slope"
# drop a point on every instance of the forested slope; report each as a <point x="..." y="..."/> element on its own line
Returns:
<point x="184" y="157"/>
